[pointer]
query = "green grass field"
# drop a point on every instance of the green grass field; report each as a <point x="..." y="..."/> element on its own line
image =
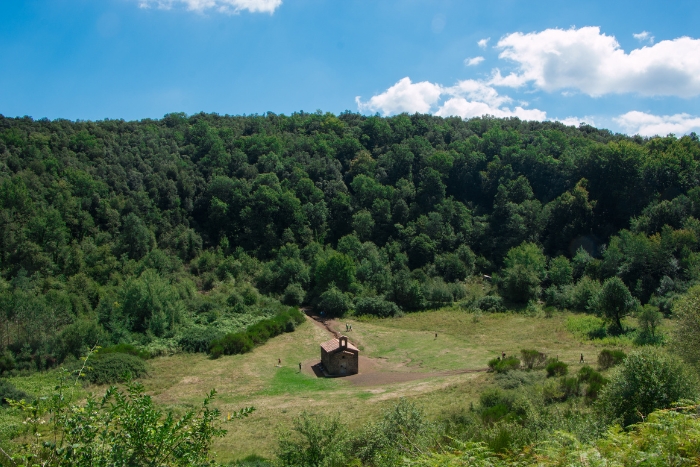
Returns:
<point x="399" y="345"/>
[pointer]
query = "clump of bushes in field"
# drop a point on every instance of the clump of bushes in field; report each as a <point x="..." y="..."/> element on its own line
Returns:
<point x="608" y="358"/>
<point x="9" y="391"/>
<point x="126" y="349"/>
<point x="556" y="367"/>
<point x="376" y="306"/>
<point x="504" y="365"/>
<point x="113" y="368"/>
<point x="257" y="334"/>
<point x="198" y="338"/>
<point x="532" y="358"/>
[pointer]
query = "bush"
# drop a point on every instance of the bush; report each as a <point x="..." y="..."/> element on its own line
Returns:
<point x="492" y="303"/>
<point x="231" y="344"/>
<point x="570" y="387"/>
<point x="648" y="379"/>
<point x="524" y="270"/>
<point x="556" y="368"/>
<point x="293" y="295"/>
<point x="334" y="302"/>
<point x="198" y="339"/>
<point x="593" y="380"/>
<point x="126" y="348"/>
<point x="7" y="362"/>
<point x="516" y="379"/>
<point x="77" y="338"/>
<point x="259" y="333"/>
<point x="113" y="367"/>
<point x="376" y="306"/>
<point x="584" y="294"/>
<point x="8" y="391"/>
<point x="609" y="358"/>
<point x="532" y="358"/>
<point x="497" y="405"/>
<point x="504" y="365"/>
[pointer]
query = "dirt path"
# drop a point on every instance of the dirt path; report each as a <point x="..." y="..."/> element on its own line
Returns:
<point x="373" y="371"/>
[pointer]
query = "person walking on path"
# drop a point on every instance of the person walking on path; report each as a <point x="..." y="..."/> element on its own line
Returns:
<point x="581" y="360"/>
<point x="299" y="367"/>
<point x="436" y="335"/>
<point x="279" y="362"/>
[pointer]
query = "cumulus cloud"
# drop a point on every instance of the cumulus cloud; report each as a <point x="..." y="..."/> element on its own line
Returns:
<point x="646" y="124"/>
<point x="586" y="60"/>
<point x="461" y="107"/>
<point x="223" y="6"/>
<point x="575" y="121"/>
<point x="644" y="36"/>
<point x="473" y="61"/>
<point x="404" y="96"/>
<point x="483" y="42"/>
<point x="466" y="99"/>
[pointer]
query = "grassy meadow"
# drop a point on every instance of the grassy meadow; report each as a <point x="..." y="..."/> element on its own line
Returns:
<point x="396" y="346"/>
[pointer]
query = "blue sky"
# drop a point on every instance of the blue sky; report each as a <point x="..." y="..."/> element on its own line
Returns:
<point x="631" y="66"/>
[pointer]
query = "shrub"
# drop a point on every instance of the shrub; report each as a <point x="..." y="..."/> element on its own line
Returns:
<point x="334" y="302"/>
<point x="198" y="339"/>
<point x="570" y="387"/>
<point x="515" y="379"/>
<point x="113" y="367"/>
<point x="648" y="379"/>
<point x="376" y="306"/>
<point x="7" y="362"/>
<point x="556" y="368"/>
<point x="234" y="343"/>
<point x="532" y="358"/>
<point x="504" y="365"/>
<point x="316" y="441"/>
<point x="593" y="380"/>
<point x="126" y="348"/>
<point x="9" y="391"/>
<point x="492" y="303"/>
<point x="686" y="338"/>
<point x="497" y="405"/>
<point x="293" y="295"/>
<point x="259" y="333"/>
<point x="77" y="338"/>
<point x="584" y="294"/>
<point x="609" y="358"/>
<point x="525" y="267"/>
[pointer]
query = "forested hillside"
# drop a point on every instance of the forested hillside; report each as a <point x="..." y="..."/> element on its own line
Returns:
<point x="168" y="234"/>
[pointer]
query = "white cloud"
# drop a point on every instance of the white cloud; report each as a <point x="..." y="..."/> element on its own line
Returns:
<point x="644" y="36"/>
<point x="575" y="121"/>
<point x="473" y="61"/>
<point x="404" y="96"/>
<point x="483" y="42"/>
<point x="645" y="124"/>
<point x="466" y="99"/>
<point x="461" y="107"/>
<point x="223" y="6"/>
<point x="594" y="63"/>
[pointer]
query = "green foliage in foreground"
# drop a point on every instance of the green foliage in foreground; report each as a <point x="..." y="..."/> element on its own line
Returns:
<point x="646" y="380"/>
<point x="123" y="427"/>
<point x="666" y="438"/>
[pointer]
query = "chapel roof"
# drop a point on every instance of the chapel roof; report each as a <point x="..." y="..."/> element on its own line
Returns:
<point x="334" y="344"/>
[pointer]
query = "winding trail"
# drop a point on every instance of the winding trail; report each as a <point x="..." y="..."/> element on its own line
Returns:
<point x="375" y="371"/>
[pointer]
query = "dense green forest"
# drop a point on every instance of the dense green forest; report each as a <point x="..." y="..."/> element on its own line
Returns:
<point x="182" y="233"/>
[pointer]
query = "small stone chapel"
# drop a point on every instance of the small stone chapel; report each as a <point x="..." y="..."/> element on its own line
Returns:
<point x="339" y="357"/>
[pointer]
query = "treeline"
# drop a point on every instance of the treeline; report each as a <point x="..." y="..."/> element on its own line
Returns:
<point x="158" y="231"/>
